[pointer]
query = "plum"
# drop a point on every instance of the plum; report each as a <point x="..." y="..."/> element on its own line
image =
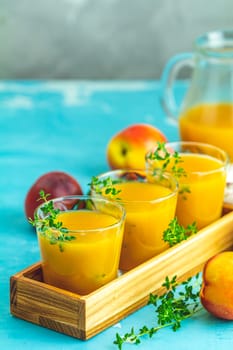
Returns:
<point x="54" y="183"/>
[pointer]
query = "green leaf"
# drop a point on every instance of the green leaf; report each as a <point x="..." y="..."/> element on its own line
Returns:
<point x="49" y="226"/>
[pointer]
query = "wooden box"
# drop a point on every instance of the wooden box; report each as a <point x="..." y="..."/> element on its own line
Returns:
<point x="84" y="316"/>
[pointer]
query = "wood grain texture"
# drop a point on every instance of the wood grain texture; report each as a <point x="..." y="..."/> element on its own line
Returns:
<point x="84" y="316"/>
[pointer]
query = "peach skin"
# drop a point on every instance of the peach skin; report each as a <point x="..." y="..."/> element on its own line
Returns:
<point x="217" y="288"/>
<point x="127" y="149"/>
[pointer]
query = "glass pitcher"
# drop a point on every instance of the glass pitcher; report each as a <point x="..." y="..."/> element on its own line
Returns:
<point x="206" y="113"/>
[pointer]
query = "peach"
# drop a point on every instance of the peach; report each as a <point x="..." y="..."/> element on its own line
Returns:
<point x="217" y="288"/>
<point x="127" y="149"/>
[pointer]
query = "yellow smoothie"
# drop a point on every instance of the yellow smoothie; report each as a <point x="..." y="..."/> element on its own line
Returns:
<point x="149" y="209"/>
<point x="88" y="261"/>
<point x="201" y="192"/>
<point x="209" y="123"/>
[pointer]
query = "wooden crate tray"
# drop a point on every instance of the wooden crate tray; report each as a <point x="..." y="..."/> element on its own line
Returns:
<point x="85" y="316"/>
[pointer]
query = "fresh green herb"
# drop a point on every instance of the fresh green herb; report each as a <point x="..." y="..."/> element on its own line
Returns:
<point x="172" y="159"/>
<point x="183" y="189"/>
<point x="49" y="226"/>
<point x="170" y="162"/>
<point x="176" y="233"/>
<point x="105" y="187"/>
<point x="171" y="308"/>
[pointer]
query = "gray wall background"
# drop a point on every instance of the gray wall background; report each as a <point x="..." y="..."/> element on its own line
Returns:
<point x="101" y="39"/>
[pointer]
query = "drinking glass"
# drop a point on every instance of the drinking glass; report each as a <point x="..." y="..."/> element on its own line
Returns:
<point x="201" y="172"/>
<point x="150" y="204"/>
<point x="82" y="253"/>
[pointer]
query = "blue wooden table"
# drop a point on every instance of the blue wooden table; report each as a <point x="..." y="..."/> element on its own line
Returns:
<point x="66" y="126"/>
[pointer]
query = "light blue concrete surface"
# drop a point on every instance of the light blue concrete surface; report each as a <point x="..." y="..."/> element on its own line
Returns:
<point x="66" y="126"/>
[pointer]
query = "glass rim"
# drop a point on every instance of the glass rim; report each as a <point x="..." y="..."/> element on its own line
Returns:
<point x="207" y="146"/>
<point x="167" y="176"/>
<point x="216" y="44"/>
<point x="83" y="232"/>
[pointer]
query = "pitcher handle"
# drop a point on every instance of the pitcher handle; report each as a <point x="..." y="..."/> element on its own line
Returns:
<point x="169" y="75"/>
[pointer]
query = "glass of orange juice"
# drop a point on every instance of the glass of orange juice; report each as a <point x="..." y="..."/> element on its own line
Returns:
<point x="201" y="172"/>
<point x="150" y="204"/>
<point x="80" y="240"/>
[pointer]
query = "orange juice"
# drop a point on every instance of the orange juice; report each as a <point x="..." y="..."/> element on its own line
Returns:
<point x="146" y="220"/>
<point x="205" y="181"/>
<point x="149" y="209"/>
<point x="209" y="123"/>
<point x="200" y="169"/>
<point x="90" y="259"/>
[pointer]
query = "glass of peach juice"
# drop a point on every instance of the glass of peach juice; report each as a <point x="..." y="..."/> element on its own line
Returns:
<point x="150" y="206"/>
<point x="85" y="254"/>
<point x="201" y="172"/>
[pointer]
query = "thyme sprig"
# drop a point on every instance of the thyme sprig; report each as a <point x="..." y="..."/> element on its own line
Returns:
<point x="173" y="160"/>
<point x="49" y="226"/>
<point x="176" y="233"/>
<point x="170" y="162"/>
<point x="171" y="308"/>
<point x="105" y="187"/>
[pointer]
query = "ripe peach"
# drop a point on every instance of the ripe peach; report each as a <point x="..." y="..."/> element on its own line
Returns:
<point x="127" y="149"/>
<point x="217" y="289"/>
<point x="55" y="183"/>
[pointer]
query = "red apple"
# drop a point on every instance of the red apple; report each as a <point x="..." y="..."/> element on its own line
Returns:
<point x="127" y="149"/>
<point x="55" y="183"/>
<point x="217" y="288"/>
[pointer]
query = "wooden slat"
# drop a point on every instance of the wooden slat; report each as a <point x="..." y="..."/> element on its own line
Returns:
<point x="47" y="306"/>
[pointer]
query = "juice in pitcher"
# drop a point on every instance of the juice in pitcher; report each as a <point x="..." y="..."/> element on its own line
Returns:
<point x="206" y="112"/>
<point x="150" y="206"/>
<point x="84" y="254"/>
<point x="209" y="123"/>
